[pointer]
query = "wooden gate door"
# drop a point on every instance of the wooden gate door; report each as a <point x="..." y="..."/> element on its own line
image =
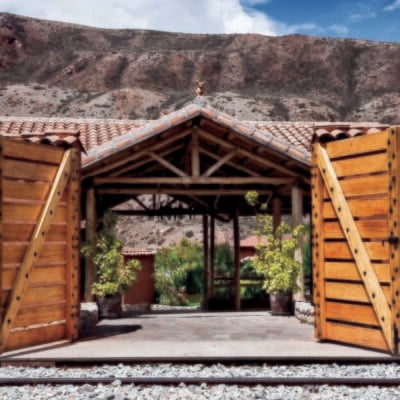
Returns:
<point x="356" y="260"/>
<point x="39" y="252"/>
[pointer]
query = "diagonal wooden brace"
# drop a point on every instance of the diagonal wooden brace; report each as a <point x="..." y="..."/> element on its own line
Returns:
<point x="356" y="245"/>
<point x="35" y="246"/>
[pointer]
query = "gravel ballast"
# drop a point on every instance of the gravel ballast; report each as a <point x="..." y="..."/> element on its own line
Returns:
<point x="117" y="390"/>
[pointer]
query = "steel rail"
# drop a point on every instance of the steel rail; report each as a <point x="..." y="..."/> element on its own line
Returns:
<point x="240" y="381"/>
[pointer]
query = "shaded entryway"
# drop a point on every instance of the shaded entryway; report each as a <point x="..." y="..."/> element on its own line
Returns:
<point x="204" y="162"/>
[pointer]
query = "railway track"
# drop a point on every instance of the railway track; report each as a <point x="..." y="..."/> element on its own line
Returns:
<point x="175" y="381"/>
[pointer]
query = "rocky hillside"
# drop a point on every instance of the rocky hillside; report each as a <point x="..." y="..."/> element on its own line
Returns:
<point x="58" y="69"/>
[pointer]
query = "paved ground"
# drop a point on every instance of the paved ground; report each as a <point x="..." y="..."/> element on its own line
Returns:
<point x="197" y="334"/>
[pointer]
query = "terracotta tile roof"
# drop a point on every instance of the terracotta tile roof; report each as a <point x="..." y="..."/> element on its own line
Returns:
<point x="132" y="252"/>
<point x="93" y="132"/>
<point x="103" y="137"/>
<point x="325" y="132"/>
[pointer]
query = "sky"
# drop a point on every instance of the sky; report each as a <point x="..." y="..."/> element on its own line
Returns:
<point x="364" y="19"/>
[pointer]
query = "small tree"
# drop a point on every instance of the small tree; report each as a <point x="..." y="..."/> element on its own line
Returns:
<point x="275" y="252"/>
<point x="113" y="276"/>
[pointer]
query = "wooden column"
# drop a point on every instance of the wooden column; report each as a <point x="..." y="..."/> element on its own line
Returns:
<point x="91" y="228"/>
<point x="205" y="260"/>
<point x="297" y="219"/>
<point x="73" y="240"/>
<point x="212" y="257"/>
<point x="236" y="241"/>
<point x="2" y="345"/>
<point x="276" y="212"/>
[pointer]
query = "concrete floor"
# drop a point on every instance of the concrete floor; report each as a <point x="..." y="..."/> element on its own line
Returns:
<point x="212" y="335"/>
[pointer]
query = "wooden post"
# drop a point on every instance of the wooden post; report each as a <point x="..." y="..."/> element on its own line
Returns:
<point x="91" y="228"/>
<point x="236" y="241"/>
<point x="205" y="261"/>
<point x="212" y="257"/>
<point x="276" y="212"/>
<point x="195" y="153"/>
<point x="297" y="219"/>
<point x="318" y="256"/>
<point x="393" y="153"/>
<point x="1" y="235"/>
<point x="73" y="254"/>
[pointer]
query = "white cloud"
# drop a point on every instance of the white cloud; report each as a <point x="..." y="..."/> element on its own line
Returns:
<point x="393" y="6"/>
<point x="194" y="16"/>
<point x="339" y="29"/>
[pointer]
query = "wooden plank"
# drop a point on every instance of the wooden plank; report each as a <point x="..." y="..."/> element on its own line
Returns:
<point x="44" y="275"/>
<point x="178" y="192"/>
<point x="20" y="189"/>
<point x="368" y="229"/>
<point x="53" y="251"/>
<point x="44" y="294"/>
<point x="33" y="337"/>
<point x="340" y="250"/>
<point x="357" y="145"/>
<point x="22" y="231"/>
<point x="318" y="268"/>
<point x="360" y="336"/>
<point x="72" y="273"/>
<point x="361" y="165"/>
<point x="40" y="315"/>
<point x="393" y="154"/>
<point x="362" y="208"/>
<point x="31" y="212"/>
<point x="349" y="271"/>
<point x="355" y="313"/>
<point x="29" y="170"/>
<point x="358" y="248"/>
<point x="33" y="152"/>
<point x="17" y="295"/>
<point x="363" y="185"/>
<point x="352" y="292"/>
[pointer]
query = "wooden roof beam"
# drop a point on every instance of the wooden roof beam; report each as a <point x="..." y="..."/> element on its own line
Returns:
<point x="252" y="156"/>
<point x="135" y="155"/>
<point x="168" y="165"/>
<point x="247" y="180"/>
<point x="178" y="192"/>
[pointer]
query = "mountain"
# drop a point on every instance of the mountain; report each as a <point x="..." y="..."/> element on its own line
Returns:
<point x="59" y="69"/>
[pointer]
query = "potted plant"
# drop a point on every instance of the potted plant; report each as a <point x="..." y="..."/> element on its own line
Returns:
<point x="114" y="278"/>
<point x="275" y="259"/>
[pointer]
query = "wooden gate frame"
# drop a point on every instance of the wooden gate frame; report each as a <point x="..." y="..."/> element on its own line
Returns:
<point x="66" y="179"/>
<point x="324" y="175"/>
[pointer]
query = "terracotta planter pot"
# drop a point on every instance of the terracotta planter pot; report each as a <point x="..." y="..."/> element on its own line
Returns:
<point x="110" y="306"/>
<point x="281" y="303"/>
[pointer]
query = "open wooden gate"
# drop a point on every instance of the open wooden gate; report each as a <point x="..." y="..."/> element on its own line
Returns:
<point x="356" y="260"/>
<point x="39" y="252"/>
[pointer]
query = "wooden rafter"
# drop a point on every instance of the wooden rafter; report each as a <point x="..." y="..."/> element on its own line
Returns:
<point x="259" y="159"/>
<point x="146" y="160"/>
<point x="355" y="243"/>
<point x="168" y="165"/>
<point x="235" y="165"/>
<point x="136" y="155"/>
<point x="36" y="245"/>
<point x="220" y="163"/>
